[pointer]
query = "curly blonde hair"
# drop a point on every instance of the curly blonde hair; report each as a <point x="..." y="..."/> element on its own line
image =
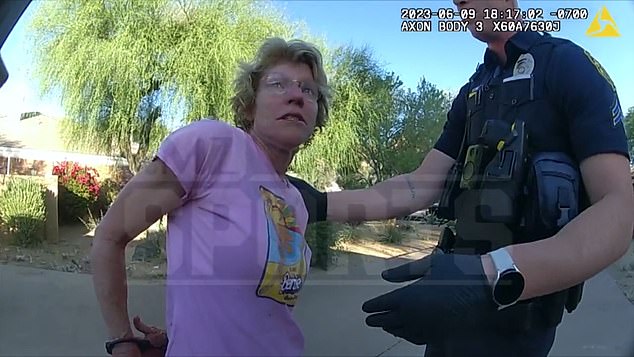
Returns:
<point x="272" y="52"/>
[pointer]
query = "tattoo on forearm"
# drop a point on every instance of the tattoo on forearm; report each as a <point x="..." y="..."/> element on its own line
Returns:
<point x="411" y="188"/>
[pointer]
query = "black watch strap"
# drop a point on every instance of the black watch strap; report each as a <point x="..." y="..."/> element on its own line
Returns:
<point x="142" y="343"/>
<point x="110" y="344"/>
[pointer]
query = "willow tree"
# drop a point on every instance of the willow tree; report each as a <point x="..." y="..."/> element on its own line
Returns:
<point x="377" y="128"/>
<point x="129" y="72"/>
<point x="335" y="150"/>
<point x="363" y="110"/>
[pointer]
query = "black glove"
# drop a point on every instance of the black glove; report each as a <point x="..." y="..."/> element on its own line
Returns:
<point x="316" y="201"/>
<point x="451" y="295"/>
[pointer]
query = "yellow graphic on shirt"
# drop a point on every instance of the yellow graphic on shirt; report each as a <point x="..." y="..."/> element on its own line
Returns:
<point x="285" y="270"/>
<point x="608" y="29"/>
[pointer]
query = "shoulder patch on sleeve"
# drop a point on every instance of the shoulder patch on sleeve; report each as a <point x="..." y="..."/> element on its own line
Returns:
<point x="617" y="113"/>
<point x="600" y="69"/>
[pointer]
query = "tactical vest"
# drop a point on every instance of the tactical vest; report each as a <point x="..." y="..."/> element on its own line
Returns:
<point x="503" y="191"/>
<point x="491" y="191"/>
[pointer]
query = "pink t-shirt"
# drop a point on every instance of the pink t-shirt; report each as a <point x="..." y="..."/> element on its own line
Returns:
<point x="237" y="257"/>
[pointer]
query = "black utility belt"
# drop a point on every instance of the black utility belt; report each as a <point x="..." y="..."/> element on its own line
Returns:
<point x="537" y="313"/>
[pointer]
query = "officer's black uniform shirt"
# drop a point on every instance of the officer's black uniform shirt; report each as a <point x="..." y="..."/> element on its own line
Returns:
<point x="583" y="118"/>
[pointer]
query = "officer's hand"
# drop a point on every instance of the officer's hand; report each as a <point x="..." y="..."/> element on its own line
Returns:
<point x="451" y="293"/>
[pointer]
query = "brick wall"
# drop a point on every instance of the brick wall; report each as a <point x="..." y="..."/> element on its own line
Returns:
<point x="23" y="167"/>
<point x="26" y="167"/>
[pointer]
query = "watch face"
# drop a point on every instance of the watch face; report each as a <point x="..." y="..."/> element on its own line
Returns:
<point x="508" y="288"/>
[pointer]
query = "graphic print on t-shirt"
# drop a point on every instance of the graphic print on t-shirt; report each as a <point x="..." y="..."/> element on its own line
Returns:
<point x="285" y="268"/>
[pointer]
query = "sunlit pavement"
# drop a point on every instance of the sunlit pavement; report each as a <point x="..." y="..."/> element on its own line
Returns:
<point x="48" y="313"/>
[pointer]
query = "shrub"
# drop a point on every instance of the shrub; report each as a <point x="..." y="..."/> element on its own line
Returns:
<point x="392" y="232"/>
<point x="108" y="191"/>
<point x="321" y="238"/>
<point x="120" y="175"/>
<point x="348" y="233"/>
<point x="23" y="211"/>
<point x="110" y="188"/>
<point x="431" y="218"/>
<point x="92" y="222"/>
<point x="79" y="190"/>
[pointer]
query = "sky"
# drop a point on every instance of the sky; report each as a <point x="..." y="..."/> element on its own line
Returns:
<point x="445" y="59"/>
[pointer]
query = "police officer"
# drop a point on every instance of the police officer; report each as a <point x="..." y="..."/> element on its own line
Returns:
<point x="533" y="165"/>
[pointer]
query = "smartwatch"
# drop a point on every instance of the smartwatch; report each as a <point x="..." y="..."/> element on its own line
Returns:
<point x="509" y="282"/>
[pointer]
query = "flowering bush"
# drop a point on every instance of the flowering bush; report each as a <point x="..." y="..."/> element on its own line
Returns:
<point x="79" y="190"/>
<point x="82" y="180"/>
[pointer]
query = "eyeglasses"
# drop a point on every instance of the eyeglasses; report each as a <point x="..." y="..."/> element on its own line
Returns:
<point x="280" y="85"/>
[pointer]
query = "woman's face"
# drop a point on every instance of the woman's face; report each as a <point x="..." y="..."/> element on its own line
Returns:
<point x="285" y="111"/>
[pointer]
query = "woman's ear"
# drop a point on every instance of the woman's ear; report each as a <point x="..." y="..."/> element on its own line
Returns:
<point x="250" y="112"/>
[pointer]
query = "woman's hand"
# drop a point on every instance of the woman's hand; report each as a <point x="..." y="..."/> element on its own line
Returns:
<point x="156" y="337"/>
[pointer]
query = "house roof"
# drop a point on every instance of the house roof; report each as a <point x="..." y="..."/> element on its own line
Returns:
<point x="33" y="131"/>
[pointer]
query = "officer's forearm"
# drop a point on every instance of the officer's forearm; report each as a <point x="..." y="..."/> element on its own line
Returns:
<point x="398" y="196"/>
<point x="588" y="244"/>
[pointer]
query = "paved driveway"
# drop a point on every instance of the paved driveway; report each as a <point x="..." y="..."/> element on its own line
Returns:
<point x="48" y="313"/>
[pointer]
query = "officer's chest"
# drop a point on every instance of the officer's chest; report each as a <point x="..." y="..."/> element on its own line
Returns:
<point x="517" y="93"/>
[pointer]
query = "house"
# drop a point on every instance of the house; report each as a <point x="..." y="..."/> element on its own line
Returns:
<point x="33" y="143"/>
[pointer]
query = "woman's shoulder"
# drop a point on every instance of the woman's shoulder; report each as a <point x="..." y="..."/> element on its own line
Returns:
<point x="208" y="130"/>
<point x="209" y="127"/>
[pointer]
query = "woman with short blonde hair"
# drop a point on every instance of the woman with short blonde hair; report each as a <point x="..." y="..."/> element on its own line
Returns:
<point x="237" y="257"/>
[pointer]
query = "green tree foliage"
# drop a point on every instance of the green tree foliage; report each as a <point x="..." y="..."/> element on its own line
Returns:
<point x="422" y="114"/>
<point x="130" y="70"/>
<point x="372" y="116"/>
<point x="334" y="149"/>
<point x="629" y="129"/>
<point x="377" y="128"/>
<point x="133" y="71"/>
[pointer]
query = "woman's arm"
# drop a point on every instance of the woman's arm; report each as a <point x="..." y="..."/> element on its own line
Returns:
<point x="169" y="181"/>
<point x="149" y="195"/>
